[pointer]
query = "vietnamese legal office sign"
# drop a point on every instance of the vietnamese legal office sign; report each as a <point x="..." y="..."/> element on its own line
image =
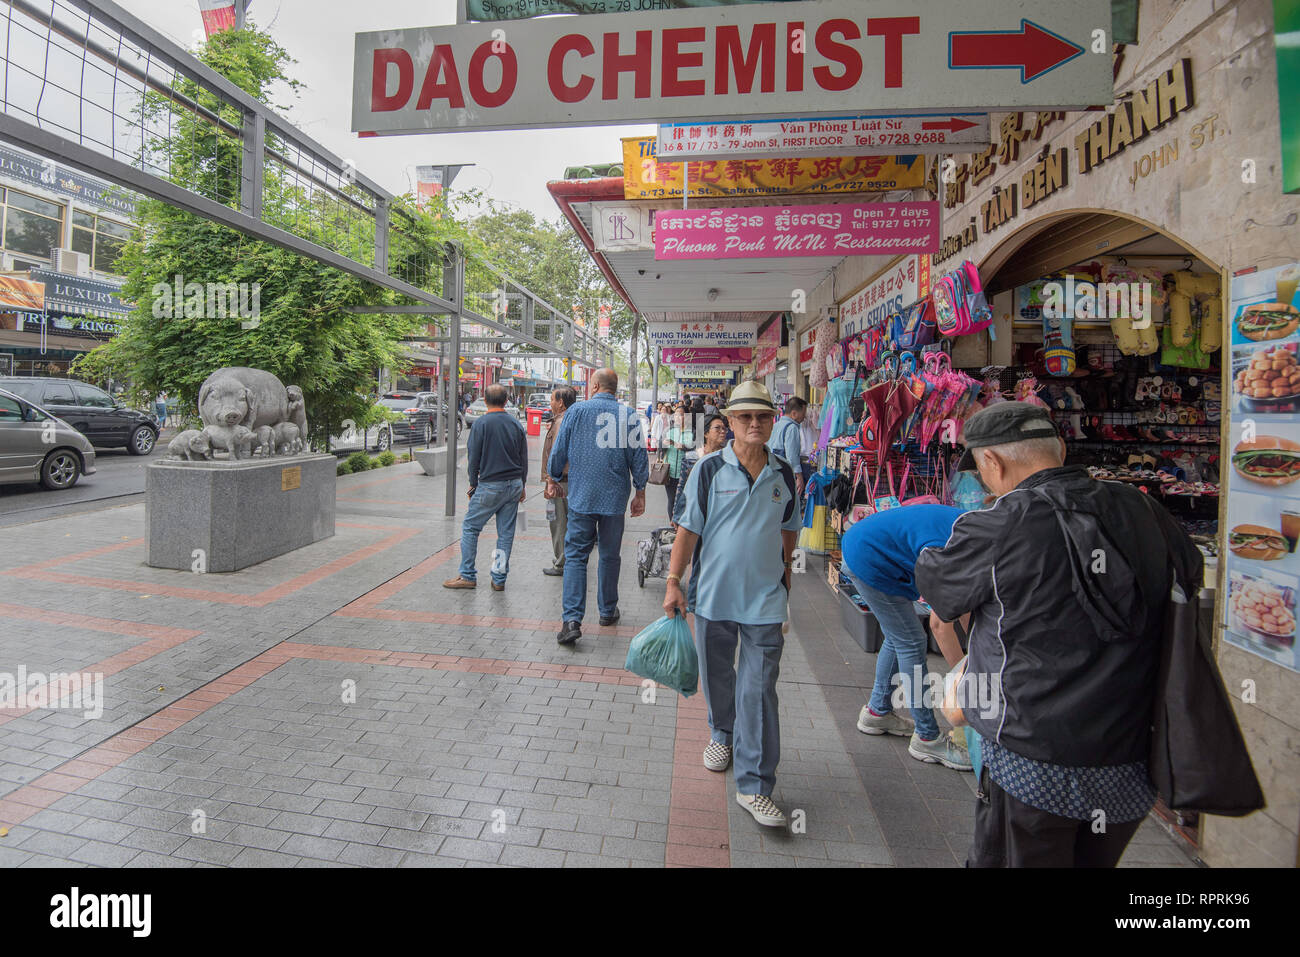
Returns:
<point x="762" y="60"/>
<point x="856" y="133"/>
<point x="842" y="229"/>
<point x="721" y="333"/>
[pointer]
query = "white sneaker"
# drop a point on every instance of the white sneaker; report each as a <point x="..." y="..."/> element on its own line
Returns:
<point x="940" y="751"/>
<point x="717" y="757"/>
<point x="891" y="723"/>
<point x="761" y="806"/>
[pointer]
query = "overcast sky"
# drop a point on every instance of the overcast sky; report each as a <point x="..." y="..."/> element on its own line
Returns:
<point x="511" y="166"/>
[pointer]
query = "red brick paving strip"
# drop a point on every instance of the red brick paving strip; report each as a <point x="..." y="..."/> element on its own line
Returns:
<point x="697" y="826"/>
<point x="698" y="833"/>
<point x="161" y="638"/>
<point x="274" y="593"/>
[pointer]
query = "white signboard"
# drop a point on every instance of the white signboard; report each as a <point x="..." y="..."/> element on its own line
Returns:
<point x="707" y="333"/>
<point x="896" y="287"/>
<point x="619" y="227"/>
<point x="832" y="57"/>
<point x="705" y="372"/>
<point x="824" y="136"/>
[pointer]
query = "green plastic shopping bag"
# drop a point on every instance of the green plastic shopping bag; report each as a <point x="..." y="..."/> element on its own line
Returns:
<point x="665" y="652"/>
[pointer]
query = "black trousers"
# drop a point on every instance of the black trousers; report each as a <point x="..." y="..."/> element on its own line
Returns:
<point x="670" y="487"/>
<point x="1009" y="833"/>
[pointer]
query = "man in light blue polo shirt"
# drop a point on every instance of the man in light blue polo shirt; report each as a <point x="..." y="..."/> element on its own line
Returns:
<point x="786" y="438"/>
<point x="738" y="533"/>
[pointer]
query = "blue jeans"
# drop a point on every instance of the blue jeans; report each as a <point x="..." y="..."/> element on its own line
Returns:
<point x="742" y="703"/>
<point x="490" y="498"/>
<point x="902" y="652"/>
<point x="584" y="531"/>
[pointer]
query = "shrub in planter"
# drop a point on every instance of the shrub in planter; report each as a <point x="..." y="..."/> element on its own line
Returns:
<point x="343" y="468"/>
<point x="387" y="458"/>
<point x="375" y="463"/>
<point x="358" y="461"/>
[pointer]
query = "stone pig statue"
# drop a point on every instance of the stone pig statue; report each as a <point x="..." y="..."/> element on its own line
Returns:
<point x="264" y="439"/>
<point x="235" y="439"/>
<point x="191" y="445"/>
<point x="240" y="396"/>
<point x="298" y="411"/>
<point x="287" y="439"/>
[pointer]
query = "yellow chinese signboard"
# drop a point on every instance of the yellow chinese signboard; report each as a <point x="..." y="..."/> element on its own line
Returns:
<point x="645" y="177"/>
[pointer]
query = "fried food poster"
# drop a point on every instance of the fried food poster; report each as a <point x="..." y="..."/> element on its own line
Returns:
<point x="1262" y="482"/>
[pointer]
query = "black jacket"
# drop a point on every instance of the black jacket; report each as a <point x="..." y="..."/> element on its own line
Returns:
<point x="1068" y="580"/>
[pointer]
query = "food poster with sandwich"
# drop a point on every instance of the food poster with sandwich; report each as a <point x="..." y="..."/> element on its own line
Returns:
<point x="1263" y="485"/>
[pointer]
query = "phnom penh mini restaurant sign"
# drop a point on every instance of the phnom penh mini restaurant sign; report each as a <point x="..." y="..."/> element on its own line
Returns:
<point x="646" y="177"/>
<point x="842" y="229"/>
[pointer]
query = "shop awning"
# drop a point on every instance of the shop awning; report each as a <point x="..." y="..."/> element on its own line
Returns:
<point x="77" y="295"/>
<point x="21" y="295"/>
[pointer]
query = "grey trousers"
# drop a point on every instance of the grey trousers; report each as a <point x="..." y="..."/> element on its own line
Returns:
<point x="558" y="528"/>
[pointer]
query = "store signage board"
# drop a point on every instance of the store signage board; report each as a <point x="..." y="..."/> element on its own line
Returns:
<point x="523" y="9"/>
<point x="812" y="136"/>
<point x="898" y="286"/>
<point x="647" y="176"/>
<point x="702" y="373"/>
<point x="830" y="57"/>
<point x="843" y="229"/>
<point x="622" y="227"/>
<point x="720" y="333"/>
<point x="807" y="342"/>
<point x="1262" y="487"/>
<point x="707" y="356"/>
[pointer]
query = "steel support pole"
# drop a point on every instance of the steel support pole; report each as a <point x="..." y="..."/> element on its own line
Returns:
<point x="453" y="280"/>
<point x="631" y="369"/>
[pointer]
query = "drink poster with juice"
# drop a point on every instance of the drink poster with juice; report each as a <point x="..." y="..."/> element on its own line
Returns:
<point x="1262" y="475"/>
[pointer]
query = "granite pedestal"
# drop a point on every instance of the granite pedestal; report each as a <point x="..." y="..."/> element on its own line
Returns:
<point x="238" y="513"/>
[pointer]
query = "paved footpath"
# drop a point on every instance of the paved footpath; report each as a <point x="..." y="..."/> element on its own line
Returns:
<point x="337" y="707"/>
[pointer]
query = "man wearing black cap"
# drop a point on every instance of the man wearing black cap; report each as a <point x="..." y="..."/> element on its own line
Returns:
<point x="1067" y="579"/>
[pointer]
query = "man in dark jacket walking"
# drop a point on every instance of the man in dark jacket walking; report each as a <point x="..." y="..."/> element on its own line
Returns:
<point x="1067" y="579"/>
<point x="498" y="463"/>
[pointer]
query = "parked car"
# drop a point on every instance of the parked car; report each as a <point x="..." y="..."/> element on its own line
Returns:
<point x="36" y="446"/>
<point x="90" y="410"/>
<point x="430" y="400"/>
<point x="478" y="408"/>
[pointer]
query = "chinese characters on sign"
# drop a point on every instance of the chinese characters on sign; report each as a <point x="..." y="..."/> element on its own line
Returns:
<point x="769" y="344"/>
<point x="726" y="334"/>
<point x="647" y="176"/>
<point x="897" y="287"/>
<point x="849" y="229"/>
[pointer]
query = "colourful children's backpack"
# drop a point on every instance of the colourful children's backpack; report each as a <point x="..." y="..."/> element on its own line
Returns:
<point x="960" y="308"/>
<point x="914" y="327"/>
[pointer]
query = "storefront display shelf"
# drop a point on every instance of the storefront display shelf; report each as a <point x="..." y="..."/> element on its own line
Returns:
<point x="860" y="624"/>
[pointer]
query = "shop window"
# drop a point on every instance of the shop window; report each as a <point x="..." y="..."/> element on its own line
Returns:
<point x="29" y="233"/>
<point x="99" y="238"/>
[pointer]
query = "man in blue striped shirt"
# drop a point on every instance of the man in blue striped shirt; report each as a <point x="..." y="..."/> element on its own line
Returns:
<point x="603" y="443"/>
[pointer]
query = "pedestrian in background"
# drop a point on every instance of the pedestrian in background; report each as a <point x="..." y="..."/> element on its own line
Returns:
<point x="786" y="438"/>
<point x="741" y="511"/>
<point x="160" y="409"/>
<point x="562" y="400"/>
<point x="676" y="442"/>
<point x="498" y="464"/>
<point x="603" y="445"/>
<point x="658" y="426"/>
<point x="880" y="553"/>
<point x="715" y="437"/>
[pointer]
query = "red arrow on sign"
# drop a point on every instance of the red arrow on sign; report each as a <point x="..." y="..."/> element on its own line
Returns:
<point x="1033" y="50"/>
<point x="953" y="125"/>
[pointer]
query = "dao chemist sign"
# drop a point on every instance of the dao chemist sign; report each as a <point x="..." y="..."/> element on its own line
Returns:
<point x="763" y="60"/>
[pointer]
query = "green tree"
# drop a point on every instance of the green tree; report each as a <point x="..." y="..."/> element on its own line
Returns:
<point x="304" y="333"/>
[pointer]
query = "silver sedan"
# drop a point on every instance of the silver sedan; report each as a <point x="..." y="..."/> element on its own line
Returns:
<point x="36" y="446"/>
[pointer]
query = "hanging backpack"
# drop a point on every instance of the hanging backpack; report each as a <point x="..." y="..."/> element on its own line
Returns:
<point x="960" y="308"/>
<point x="915" y="326"/>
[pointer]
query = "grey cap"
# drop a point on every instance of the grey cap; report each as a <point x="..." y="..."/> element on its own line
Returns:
<point x="1003" y="423"/>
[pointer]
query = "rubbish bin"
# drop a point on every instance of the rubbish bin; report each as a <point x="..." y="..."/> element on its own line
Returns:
<point x="535" y="421"/>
